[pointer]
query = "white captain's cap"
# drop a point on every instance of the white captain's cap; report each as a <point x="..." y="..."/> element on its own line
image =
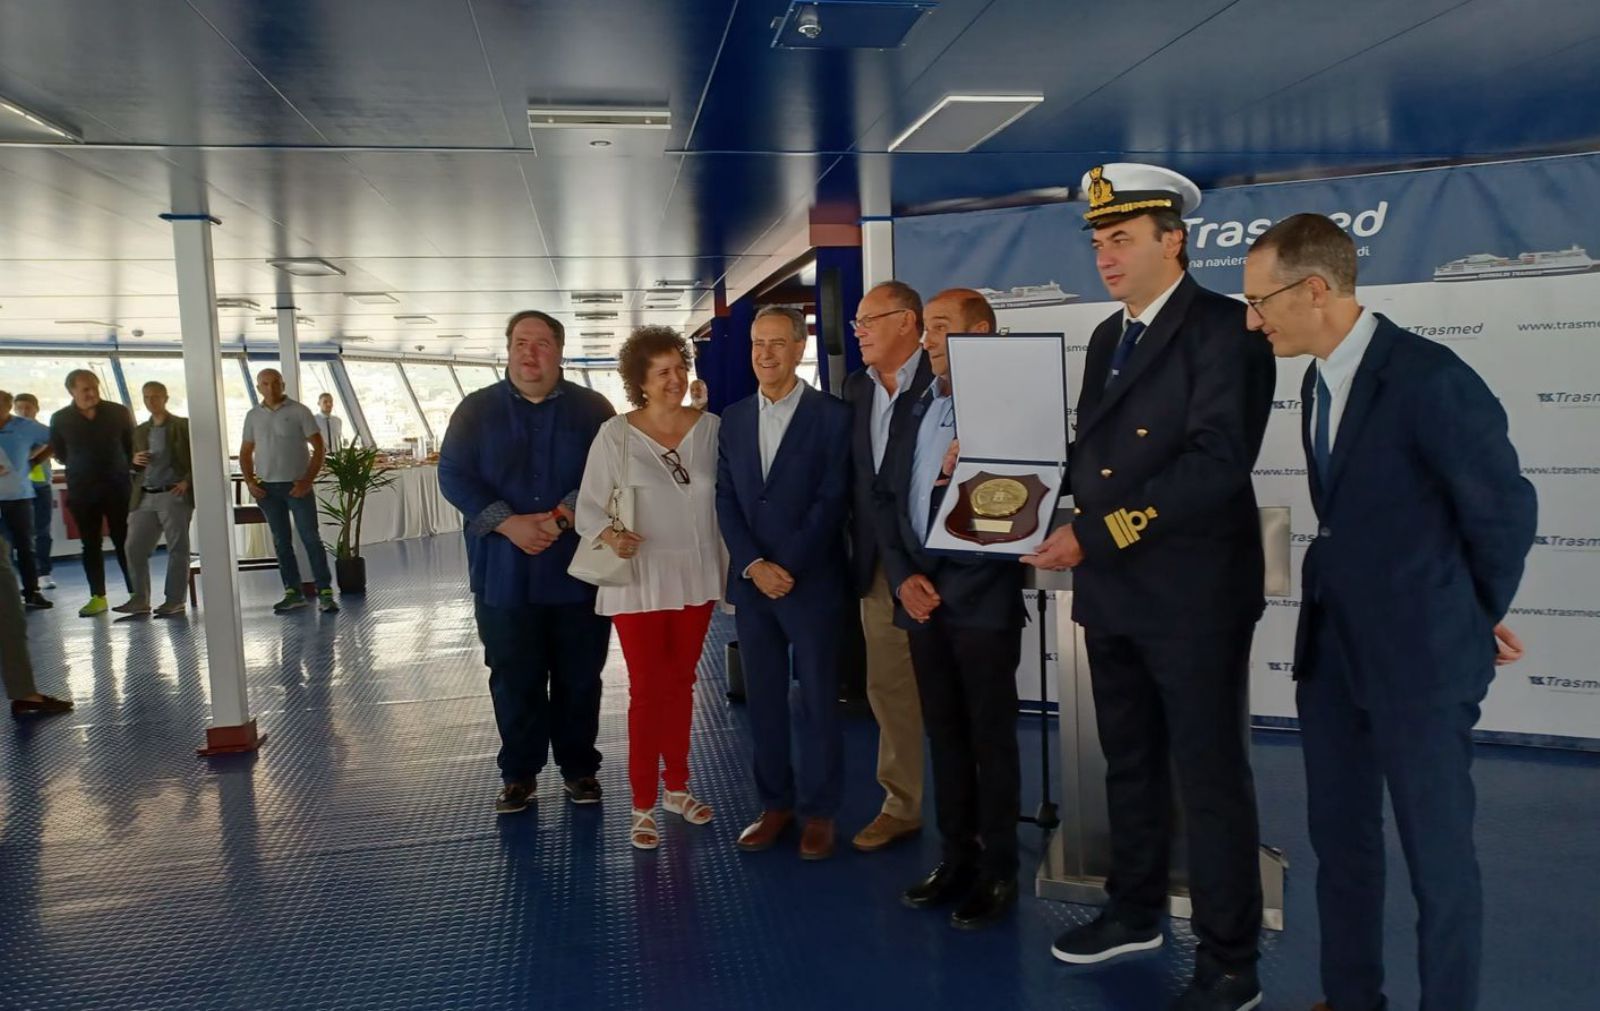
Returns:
<point x="1120" y="189"/>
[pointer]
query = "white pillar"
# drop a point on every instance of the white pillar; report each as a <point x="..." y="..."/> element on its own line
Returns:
<point x="289" y="352"/>
<point x="877" y="252"/>
<point x="232" y="728"/>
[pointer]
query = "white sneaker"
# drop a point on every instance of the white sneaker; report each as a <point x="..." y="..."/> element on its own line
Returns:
<point x="47" y="583"/>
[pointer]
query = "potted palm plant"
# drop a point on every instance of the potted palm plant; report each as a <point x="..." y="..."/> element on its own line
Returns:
<point x="354" y="474"/>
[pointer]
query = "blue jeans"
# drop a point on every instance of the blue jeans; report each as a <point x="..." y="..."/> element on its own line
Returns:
<point x="544" y="665"/>
<point x="44" y="504"/>
<point x="278" y="506"/>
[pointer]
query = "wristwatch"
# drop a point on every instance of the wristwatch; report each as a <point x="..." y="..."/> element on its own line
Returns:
<point x="562" y="523"/>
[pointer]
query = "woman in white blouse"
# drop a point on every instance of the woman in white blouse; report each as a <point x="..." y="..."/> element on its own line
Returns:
<point x="662" y="613"/>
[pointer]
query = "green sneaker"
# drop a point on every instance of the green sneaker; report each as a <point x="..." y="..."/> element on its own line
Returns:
<point x="326" y="602"/>
<point x="292" y="600"/>
<point x="96" y="605"/>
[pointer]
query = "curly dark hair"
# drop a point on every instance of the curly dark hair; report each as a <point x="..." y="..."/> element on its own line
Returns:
<point x="644" y="344"/>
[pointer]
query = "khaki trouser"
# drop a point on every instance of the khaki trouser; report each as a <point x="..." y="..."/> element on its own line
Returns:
<point x="892" y="693"/>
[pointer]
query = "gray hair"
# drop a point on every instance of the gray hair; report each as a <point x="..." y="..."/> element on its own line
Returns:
<point x="796" y="318"/>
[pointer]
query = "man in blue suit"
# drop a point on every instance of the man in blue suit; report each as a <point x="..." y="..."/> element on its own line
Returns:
<point x="1423" y="523"/>
<point x="783" y="496"/>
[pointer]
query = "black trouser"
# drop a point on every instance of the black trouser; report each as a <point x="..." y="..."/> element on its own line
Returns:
<point x="544" y="676"/>
<point x="16" y="524"/>
<point x="967" y="679"/>
<point x="1162" y="701"/>
<point x="106" y="506"/>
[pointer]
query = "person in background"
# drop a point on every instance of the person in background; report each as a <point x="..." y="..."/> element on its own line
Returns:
<point x="330" y="427"/>
<point x="44" y="497"/>
<point x="888" y="327"/>
<point x="783" y="497"/>
<point x="93" y="439"/>
<point x="16" y="665"/>
<point x="511" y="461"/>
<point x="162" y="503"/>
<point x="280" y="456"/>
<point x="699" y="396"/>
<point x="661" y="615"/>
<point x="22" y="441"/>
<point x="1412" y="470"/>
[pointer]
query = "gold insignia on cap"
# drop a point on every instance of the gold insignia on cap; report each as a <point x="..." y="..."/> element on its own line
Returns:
<point x="1126" y="525"/>
<point x="1101" y="192"/>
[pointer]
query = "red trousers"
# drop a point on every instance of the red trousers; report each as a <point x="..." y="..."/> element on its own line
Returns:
<point x="662" y="649"/>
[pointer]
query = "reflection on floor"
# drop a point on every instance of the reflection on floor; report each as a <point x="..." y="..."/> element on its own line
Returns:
<point x="356" y="863"/>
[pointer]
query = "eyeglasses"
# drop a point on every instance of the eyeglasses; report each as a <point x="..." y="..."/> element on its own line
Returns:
<point x="860" y="323"/>
<point x="1256" y="303"/>
<point x="679" y="473"/>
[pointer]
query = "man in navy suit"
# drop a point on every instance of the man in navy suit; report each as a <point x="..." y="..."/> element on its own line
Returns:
<point x="964" y="620"/>
<point x="888" y="328"/>
<point x="1423" y="523"/>
<point x="783" y="495"/>
<point x="1168" y="581"/>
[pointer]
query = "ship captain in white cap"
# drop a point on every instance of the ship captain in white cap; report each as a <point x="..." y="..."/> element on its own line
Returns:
<point x="1166" y="550"/>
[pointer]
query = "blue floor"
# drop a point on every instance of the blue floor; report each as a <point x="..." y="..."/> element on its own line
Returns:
<point x="355" y="862"/>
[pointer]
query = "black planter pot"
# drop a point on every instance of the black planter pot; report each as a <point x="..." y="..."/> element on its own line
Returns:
<point x="351" y="573"/>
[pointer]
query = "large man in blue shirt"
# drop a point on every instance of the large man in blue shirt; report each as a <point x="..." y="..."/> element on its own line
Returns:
<point x="511" y="462"/>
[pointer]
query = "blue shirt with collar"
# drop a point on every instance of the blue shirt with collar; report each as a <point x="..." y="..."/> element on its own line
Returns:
<point x="503" y="455"/>
<point x="935" y="431"/>
<point x="20" y="438"/>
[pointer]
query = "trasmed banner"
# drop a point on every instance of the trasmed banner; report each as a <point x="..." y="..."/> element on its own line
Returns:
<point x="1492" y="260"/>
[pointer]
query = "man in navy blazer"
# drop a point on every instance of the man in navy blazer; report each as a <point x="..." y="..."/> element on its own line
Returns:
<point x="1423" y="524"/>
<point x="964" y="619"/>
<point x="783" y="495"/>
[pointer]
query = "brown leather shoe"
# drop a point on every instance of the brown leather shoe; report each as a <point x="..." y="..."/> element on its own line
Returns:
<point x="764" y="831"/>
<point x="884" y="830"/>
<point x="816" y="842"/>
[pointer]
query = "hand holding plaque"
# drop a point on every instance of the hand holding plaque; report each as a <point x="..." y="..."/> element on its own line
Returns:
<point x="991" y="509"/>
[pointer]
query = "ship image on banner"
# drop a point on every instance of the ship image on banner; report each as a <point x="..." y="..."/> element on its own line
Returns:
<point x="1026" y="296"/>
<point x="1487" y="266"/>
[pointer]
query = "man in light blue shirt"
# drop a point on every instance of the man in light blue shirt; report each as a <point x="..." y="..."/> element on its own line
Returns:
<point x="44" y="496"/>
<point x="21" y="440"/>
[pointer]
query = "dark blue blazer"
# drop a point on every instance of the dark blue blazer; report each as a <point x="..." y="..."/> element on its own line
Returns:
<point x="858" y="392"/>
<point x="1423" y="527"/>
<point x="1173" y="438"/>
<point x="796" y="516"/>
<point x="973" y="593"/>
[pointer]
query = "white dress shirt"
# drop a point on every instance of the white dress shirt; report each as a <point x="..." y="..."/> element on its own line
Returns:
<point x="1339" y="371"/>
<point x="332" y="430"/>
<point x="883" y="403"/>
<point x="773" y="421"/>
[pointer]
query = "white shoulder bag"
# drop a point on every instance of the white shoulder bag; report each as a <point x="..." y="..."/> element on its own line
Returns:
<point x="594" y="562"/>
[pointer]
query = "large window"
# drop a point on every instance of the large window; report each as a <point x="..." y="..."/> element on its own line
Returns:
<point x="237" y="400"/>
<point x="46" y="379"/>
<point x="391" y="415"/>
<point x="316" y="378"/>
<point x="437" y="393"/>
<point x="608" y="383"/>
<point x="166" y="371"/>
<point x="476" y="377"/>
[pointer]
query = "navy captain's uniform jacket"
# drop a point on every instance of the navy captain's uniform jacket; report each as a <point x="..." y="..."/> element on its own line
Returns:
<point x="1160" y="472"/>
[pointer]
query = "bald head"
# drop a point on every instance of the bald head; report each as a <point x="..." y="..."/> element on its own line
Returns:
<point x="269" y="383"/>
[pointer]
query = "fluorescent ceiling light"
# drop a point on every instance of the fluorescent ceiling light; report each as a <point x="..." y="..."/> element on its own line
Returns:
<point x="596" y="297"/>
<point x="959" y="123"/>
<point x="306" y="266"/>
<point x="371" y="297"/>
<point x="304" y="320"/>
<point x="8" y="106"/>
<point x="582" y="117"/>
<point x="352" y="338"/>
<point x="692" y="282"/>
<point x="237" y="302"/>
<point x="597" y="333"/>
<point x="88" y="322"/>
<point x="416" y="318"/>
<point x="266" y="321"/>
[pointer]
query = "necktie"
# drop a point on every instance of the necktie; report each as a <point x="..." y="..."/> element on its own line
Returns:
<point x="1119" y="357"/>
<point x="1319" y="434"/>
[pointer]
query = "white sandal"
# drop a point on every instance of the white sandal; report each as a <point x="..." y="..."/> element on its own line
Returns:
<point x="682" y="802"/>
<point x="644" y="835"/>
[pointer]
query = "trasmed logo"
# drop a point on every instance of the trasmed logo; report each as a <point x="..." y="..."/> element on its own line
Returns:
<point x="1286" y="405"/>
<point x="1572" y="686"/>
<point x="1280" y="666"/>
<point x="1561" y="542"/>
<point x="1568" y="398"/>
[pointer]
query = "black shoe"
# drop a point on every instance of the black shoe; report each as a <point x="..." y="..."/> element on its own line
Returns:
<point x="583" y="790"/>
<point x="514" y="797"/>
<point x="1221" y="991"/>
<point x="1103" y="940"/>
<point x="37" y="601"/>
<point x="948" y="883"/>
<point x="989" y="901"/>
<point x="44" y="705"/>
